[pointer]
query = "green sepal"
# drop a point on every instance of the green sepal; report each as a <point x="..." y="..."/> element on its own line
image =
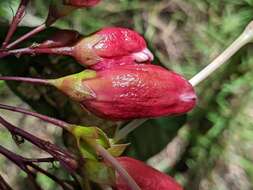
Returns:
<point x="88" y="136"/>
<point x="73" y="85"/>
<point x="117" y="149"/>
<point x="99" y="172"/>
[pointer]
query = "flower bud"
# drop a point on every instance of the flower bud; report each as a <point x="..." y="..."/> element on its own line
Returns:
<point x="146" y="177"/>
<point x="111" y="46"/>
<point x="104" y="49"/>
<point x="130" y="91"/>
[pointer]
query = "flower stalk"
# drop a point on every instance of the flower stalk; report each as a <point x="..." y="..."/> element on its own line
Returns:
<point x="26" y="165"/>
<point x="15" y="21"/>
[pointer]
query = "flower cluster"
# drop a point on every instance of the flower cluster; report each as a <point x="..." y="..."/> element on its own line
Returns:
<point x="121" y="83"/>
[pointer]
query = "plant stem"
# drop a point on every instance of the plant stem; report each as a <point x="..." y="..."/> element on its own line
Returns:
<point x="36" y="30"/>
<point x="4" y="185"/>
<point x="66" y="159"/>
<point x="40" y="160"/>
<point x="242" y="40"/>
<point x="15" y="21"/>
<point x="22" y="163"/>
<point x="34" y="51"/>
<point x="48" y="119"/>
<point x="131" y="126"/>
<point x="245" y="38"/>
<point x="25" y="79"/>
<point x="117" y="166"/>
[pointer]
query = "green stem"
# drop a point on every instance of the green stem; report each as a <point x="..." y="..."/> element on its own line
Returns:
<point x="117" y="166"/>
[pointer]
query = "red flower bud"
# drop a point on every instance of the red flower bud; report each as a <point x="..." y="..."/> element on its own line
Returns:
<point x="112" y="46"/>
<point x="81" y="3"/>
<point x="130" y="91"/>
<point x="104" y="49"/>
<point x="146" y="177"/>
<point x="59" y="39"/>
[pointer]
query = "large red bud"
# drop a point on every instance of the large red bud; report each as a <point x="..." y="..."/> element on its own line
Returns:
<point x="111" y="46"/>
<point x="130" y="92"/>
<point x="146" y="177"/>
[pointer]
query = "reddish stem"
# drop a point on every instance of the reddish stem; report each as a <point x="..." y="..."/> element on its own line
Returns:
<point x="34" y="51"/>
<point x="25" y="79"/>
<point x="22" y="163"/>
<point x="67" y="160"/>
<point x="15" y="21"/>
<point x="27" y="35"/>
<point x="51" y="120"/>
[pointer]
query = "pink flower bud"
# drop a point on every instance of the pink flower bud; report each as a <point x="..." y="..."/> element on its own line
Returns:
<point x="112" y="46"/>
<point x="104" y="49"/>
<point x="81" y="3"/>
<point x="146" y="177"/>
<point x="130" y="92"/>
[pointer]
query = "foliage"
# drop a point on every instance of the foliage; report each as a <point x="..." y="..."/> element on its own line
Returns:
<point x="185" y="36"/>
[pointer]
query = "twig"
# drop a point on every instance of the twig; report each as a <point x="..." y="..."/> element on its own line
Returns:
<point x="117" y="166"/>
<point x="48" y="119"/>
<point x="25" y="79"/>
<point x="67" y="160"/>
<point x="15" y="21"/>
<point x="22" y="163"/>
<point x="4" y="185"/>
<point x="36" y="30"/>
<point x="242" y="40"/>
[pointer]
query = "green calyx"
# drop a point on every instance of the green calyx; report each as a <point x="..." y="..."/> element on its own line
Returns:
<point x="99" y="172"/>
<point x="86" y="140"/>
<point x="74" y="87"/>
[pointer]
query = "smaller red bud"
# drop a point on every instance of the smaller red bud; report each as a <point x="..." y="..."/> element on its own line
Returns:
<point x="146" y="177"/>
<point x="111" y="46"/>
<point x="104" y="49"/>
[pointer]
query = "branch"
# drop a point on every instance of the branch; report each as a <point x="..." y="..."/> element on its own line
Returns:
<point x="67" y="160"/>
<point x="48" y="119"/>
<point x="22" y="163"/>
<point x="28" y="35"/>
<point x="4" y="185"/>
<point x="15" y="21"/>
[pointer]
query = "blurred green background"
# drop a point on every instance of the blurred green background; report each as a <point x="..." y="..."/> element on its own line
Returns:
<point x="209" y="149"/>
